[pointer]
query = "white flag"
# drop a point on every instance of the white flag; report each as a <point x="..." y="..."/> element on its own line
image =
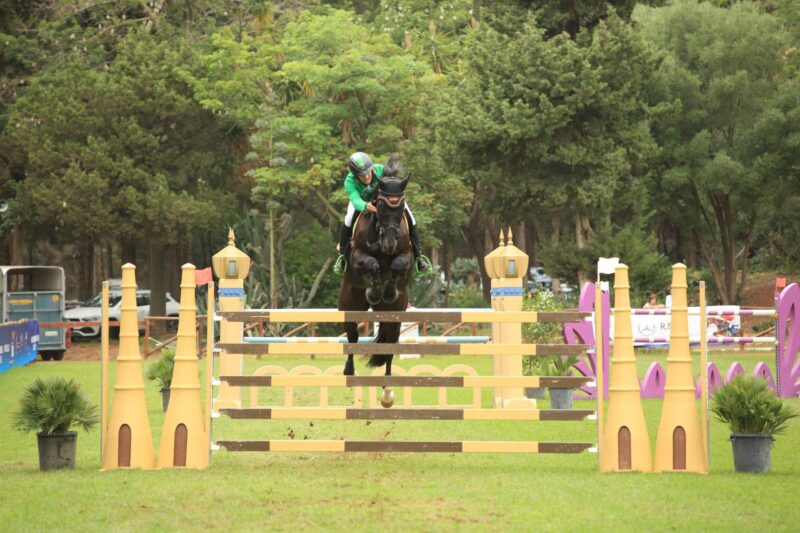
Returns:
<point x="606" y="265"/>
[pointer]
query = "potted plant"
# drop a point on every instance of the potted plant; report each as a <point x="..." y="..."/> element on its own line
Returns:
<point x="754" y="414"/>
<point x="160" y="371"/>
<point x="533" y="366"/>
<point x="559" y="365"/>
<point x="539" y="333"/>
<point x="51" y="407"/>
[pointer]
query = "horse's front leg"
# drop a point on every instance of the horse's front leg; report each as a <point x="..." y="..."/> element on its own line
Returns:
<point x="367" y="267"/>
<point x="400" y="267"/>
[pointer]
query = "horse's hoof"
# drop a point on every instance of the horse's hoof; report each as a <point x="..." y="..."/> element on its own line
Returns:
<point x="373" y="296"/>
<point x="387" y="400"/>
<point x="390" y="295"/>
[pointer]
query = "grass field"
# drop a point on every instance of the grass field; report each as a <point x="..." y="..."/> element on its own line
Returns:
<point x="395" y="492"/>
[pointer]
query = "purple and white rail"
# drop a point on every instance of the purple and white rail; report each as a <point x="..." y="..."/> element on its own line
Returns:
<point x="710" y="312"/>
<point x="787" y="343"/>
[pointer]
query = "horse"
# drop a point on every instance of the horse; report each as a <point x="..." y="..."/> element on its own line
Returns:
<point x="380" y="271"/>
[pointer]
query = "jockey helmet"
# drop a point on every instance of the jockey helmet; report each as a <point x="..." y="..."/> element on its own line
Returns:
<point x="360" y="164"/>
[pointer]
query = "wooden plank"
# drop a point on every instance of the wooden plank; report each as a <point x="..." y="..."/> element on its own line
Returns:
<point x="565" y="382"/>
<point x="245" y="445"/>
<point x="425" y="349"/>
<point x="404" y="446"/>
<point x="564" y="447"/>
<point x="429" y="315"/>
<point x="501" y="447"/>
<point x="565" y="414"/>
<point x="406" y="381"/>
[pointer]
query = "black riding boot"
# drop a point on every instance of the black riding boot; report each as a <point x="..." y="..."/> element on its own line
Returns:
<point x="423" y="263"/>
<point x="340" y="266"/>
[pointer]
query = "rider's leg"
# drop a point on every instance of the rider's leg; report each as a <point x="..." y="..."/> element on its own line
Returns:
<point x="340" y="265"/>
<point x="422" y="263"/>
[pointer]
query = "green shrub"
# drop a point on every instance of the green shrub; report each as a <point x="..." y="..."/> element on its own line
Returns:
<point x="749" y="406"/>
<point x="557" y="365"/>
<point x="160" y="370"/>
<point x="467" y="298"/>
<point x="540" y="333"/>
<point x="54" y="406"/>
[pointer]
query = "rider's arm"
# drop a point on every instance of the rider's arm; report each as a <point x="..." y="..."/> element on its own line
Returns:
<point x="351" y="189"/>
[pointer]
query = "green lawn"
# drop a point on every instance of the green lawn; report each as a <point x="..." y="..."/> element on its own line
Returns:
<point x="440" y="492"/>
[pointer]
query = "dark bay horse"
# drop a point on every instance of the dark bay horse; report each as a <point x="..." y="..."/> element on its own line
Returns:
<point x="380" y="270"/>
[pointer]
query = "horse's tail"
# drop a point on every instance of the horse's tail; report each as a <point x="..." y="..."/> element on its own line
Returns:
<point x="378" y="359"/>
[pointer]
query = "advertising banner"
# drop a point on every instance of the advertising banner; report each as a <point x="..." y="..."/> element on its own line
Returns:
<point x="19" y="343"/>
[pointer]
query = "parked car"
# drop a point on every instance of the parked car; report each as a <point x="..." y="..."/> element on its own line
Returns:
<point x="539" y="279"/>
<point x="90" y="312"/>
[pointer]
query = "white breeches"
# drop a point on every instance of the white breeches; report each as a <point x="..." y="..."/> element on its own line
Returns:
<point x="351" y="215"/>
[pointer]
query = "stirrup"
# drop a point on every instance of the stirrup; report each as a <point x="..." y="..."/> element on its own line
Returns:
<point x="424" y="261"/>
<point x="340" y="265"/>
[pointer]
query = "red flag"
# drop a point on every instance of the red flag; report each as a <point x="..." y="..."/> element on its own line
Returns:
<point x="203" y="277"/>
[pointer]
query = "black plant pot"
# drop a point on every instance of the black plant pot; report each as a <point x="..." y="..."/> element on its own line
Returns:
<point x="561" y="398"/>
<point x="57" y="450"/>
<point x="165" y="398"/>
<point x="535" y="393"/>
<point x="752" y="453"/>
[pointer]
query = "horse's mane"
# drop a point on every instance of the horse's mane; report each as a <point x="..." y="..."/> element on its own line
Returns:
<point x="393" y="169"/>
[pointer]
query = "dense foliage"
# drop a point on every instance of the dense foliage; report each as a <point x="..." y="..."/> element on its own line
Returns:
<point x="54" y="405"/>
<point x="749" y="406"/>
<point x="655" y="131"/>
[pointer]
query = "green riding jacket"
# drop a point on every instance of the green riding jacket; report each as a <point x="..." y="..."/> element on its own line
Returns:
<point x="358" y="192"/>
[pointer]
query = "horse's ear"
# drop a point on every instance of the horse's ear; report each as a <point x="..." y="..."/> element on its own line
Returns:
<point x="405" y="181"/>
<point x="382" y="182"/>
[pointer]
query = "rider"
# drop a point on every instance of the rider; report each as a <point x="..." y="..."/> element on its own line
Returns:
<point x="360" y="184"/>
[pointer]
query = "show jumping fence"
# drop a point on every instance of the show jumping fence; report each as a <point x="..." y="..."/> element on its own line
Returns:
<point x="428" y="346"/>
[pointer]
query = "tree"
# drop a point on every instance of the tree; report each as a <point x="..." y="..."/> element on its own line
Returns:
<point x="121" y="153"/>
<point x="717" y="69"/>
<point x="548" y="127"/>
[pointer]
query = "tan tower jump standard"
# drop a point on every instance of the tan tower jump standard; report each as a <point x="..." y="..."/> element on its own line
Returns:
<point x="128" y="441"/>
<point x="507" y="265"/>
<point x="679" y="446"/>
<point x="625" y="441"/>
<point x="184" y="439"/>
<point x="231" y="266"/>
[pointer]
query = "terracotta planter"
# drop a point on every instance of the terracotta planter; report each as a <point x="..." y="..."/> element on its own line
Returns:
<point x="752" y="453"/>
<point x="57" y="450"/>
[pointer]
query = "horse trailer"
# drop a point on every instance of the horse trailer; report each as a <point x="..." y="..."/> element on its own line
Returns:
<point x="35" y="293"/>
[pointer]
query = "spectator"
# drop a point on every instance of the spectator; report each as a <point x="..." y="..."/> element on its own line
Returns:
<point x="652" y="302"/>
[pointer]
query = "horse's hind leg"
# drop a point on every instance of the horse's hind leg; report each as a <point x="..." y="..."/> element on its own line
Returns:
<point x="352" y="337"/>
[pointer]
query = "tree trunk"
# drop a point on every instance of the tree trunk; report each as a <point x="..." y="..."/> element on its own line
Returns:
<point x="555" y="237"/>
<point x="158" y="298"/>
<point x="16" y="247"/>
<point x="128" y="252"/>
<point x="447" y="274"/>
<point x="273" y="274"/>
<point x="475" y="234"/>
<point x="86" y="269"/>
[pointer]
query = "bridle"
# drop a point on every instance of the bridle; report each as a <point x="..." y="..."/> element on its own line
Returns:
<point x="394" y="201"/>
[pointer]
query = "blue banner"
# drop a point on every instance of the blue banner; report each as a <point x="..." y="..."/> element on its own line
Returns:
<point x="19" y="342"/>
